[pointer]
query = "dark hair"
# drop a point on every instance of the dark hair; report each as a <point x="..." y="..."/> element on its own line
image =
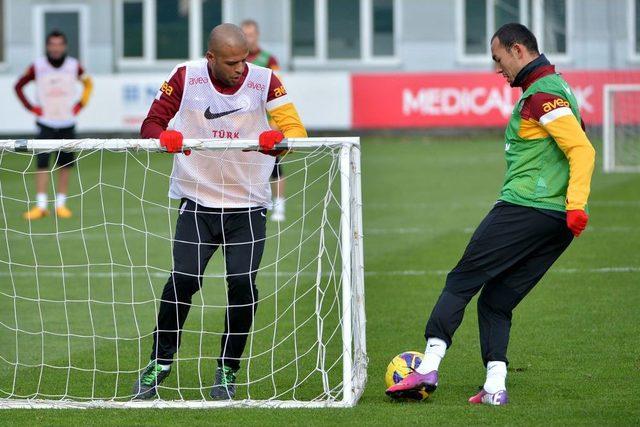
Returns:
<point x="510" y="34"/>
<point x="56" y="33"/>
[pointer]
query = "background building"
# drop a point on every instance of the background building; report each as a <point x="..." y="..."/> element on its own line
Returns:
<point x="114" y="36"/>
<point x="322" y="45"/>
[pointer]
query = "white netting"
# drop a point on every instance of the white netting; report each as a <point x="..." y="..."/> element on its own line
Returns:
<point x="79" y="297"/>
<point x="621" y="128"/>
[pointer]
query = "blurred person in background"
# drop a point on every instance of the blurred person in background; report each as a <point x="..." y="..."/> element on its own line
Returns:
<point x="262" y="58"/>
<point x="56" y="75"/>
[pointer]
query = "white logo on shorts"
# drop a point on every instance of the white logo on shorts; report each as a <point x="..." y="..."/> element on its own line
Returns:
<point x="184" y="205"/>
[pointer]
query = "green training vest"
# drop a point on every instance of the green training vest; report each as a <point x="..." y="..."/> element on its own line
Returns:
<point x="262" y="59"/>
<point x="537" y="169"/>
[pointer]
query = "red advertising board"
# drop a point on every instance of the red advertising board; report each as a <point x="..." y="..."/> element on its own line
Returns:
<point x="470" y="99"/>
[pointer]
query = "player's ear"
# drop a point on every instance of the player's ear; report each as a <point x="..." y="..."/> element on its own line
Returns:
<point x="517" y="50"/>
<point x="210" y="56"/>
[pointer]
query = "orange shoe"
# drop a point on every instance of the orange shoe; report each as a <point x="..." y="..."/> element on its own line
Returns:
<point x="35" y="213"/>
<point x="63" y="212"/>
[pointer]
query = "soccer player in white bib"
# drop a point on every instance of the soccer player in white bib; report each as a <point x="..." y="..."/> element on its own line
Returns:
<point x="56" y="76"/>
<point x="223" y="195"/>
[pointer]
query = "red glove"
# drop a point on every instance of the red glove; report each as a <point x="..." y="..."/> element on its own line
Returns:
<point x="268" y="139"/>
<point x="36" y="110"/>
<point x="577" y="221"/>
<point x="77" y="108"/>
<point x="172" y="141"/>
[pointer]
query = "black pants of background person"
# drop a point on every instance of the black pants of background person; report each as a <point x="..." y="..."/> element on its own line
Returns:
<point x="63" y="159"/>
<point x="508" y="254"/>
<point x="199" y="232"/>
<point x="277" y="172"/>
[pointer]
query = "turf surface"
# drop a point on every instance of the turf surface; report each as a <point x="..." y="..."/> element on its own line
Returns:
<point x="574" y="344"/>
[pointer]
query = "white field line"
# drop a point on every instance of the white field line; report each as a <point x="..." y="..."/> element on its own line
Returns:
<point x="470" y="230"/>
<point x="487" y="204"/>
<point x="395" y="273"/>
<point x="133" y="234"/>
<point x="416" y="205"/>
<point x="153" y="208"/>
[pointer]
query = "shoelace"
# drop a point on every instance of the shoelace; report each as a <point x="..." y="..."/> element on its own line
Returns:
<point x="228" y="376"/>
<point x="151" y="374"/>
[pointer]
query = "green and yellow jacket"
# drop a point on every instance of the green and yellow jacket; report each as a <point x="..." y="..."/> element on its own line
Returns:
<point x="549" y="157"/>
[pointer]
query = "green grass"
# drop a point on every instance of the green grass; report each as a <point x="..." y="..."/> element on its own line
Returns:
<point x="574" y="344"/>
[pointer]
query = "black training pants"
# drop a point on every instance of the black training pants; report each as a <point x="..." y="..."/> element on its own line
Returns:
<point x="508" y="254"/>
<point x="199" y="232"/>
<point x="64" y="159"/>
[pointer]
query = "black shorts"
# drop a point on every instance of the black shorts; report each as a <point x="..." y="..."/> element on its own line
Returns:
<point x="277" y="172"/>
<point x="63" y="158"/>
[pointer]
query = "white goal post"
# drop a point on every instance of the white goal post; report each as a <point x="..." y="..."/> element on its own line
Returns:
<point x="78" y="297"/>
<point x="621" y="128"/>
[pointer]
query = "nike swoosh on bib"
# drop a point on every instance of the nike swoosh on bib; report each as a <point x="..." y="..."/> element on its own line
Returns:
<point x="209" y="115"/>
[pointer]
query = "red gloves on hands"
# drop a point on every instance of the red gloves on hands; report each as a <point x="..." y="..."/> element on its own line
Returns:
<point x="172" y="141"/>
<point x="77" y="108"/>
<point x="269" y="138"/>
<point x="577" y="221"/>
<point x="36" y="110"/>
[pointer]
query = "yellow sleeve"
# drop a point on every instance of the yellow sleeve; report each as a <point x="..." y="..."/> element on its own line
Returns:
<point x="288" y="121"/>
<point x="86" y="92"/>
<point x="568" y="134"/>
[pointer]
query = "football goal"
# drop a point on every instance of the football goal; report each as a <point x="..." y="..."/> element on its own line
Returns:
<point x="621" y="128"/>
<point x="79" y="296"/>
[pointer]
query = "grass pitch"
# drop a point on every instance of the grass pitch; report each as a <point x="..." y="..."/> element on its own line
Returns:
<point x="574" y="343"/>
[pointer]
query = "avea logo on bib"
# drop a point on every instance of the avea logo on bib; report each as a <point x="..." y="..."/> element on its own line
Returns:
<point x="217" y="178"/>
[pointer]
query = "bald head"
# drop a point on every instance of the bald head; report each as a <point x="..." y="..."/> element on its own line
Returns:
<point x="225" y="36"/>
<point x="227" y="53"/>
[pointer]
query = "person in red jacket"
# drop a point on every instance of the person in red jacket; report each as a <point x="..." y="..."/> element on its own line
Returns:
<point x="56" y="76"/>
<point x="223" y="195"/>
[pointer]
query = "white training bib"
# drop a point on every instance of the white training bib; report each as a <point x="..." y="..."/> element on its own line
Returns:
<point x="57" y="91"/>
<point x="233" y="178"/>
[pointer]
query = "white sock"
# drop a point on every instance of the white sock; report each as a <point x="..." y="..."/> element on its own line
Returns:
<point x="433" y="354"/>
<point x="61" y="199"/>
<point x="164" y="367"/>
<point x="278" y="204"/>
<point x="41" y="200"/>
<point x="496" y="377"/>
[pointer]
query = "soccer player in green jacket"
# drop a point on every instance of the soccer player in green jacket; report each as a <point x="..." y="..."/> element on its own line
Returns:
<point x="541" y="208"/>
<point x="258" y="56"/>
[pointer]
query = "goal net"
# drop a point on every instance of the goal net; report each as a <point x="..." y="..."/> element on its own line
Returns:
<point x="79" y="297"/>
<point x="621" y="128"/>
